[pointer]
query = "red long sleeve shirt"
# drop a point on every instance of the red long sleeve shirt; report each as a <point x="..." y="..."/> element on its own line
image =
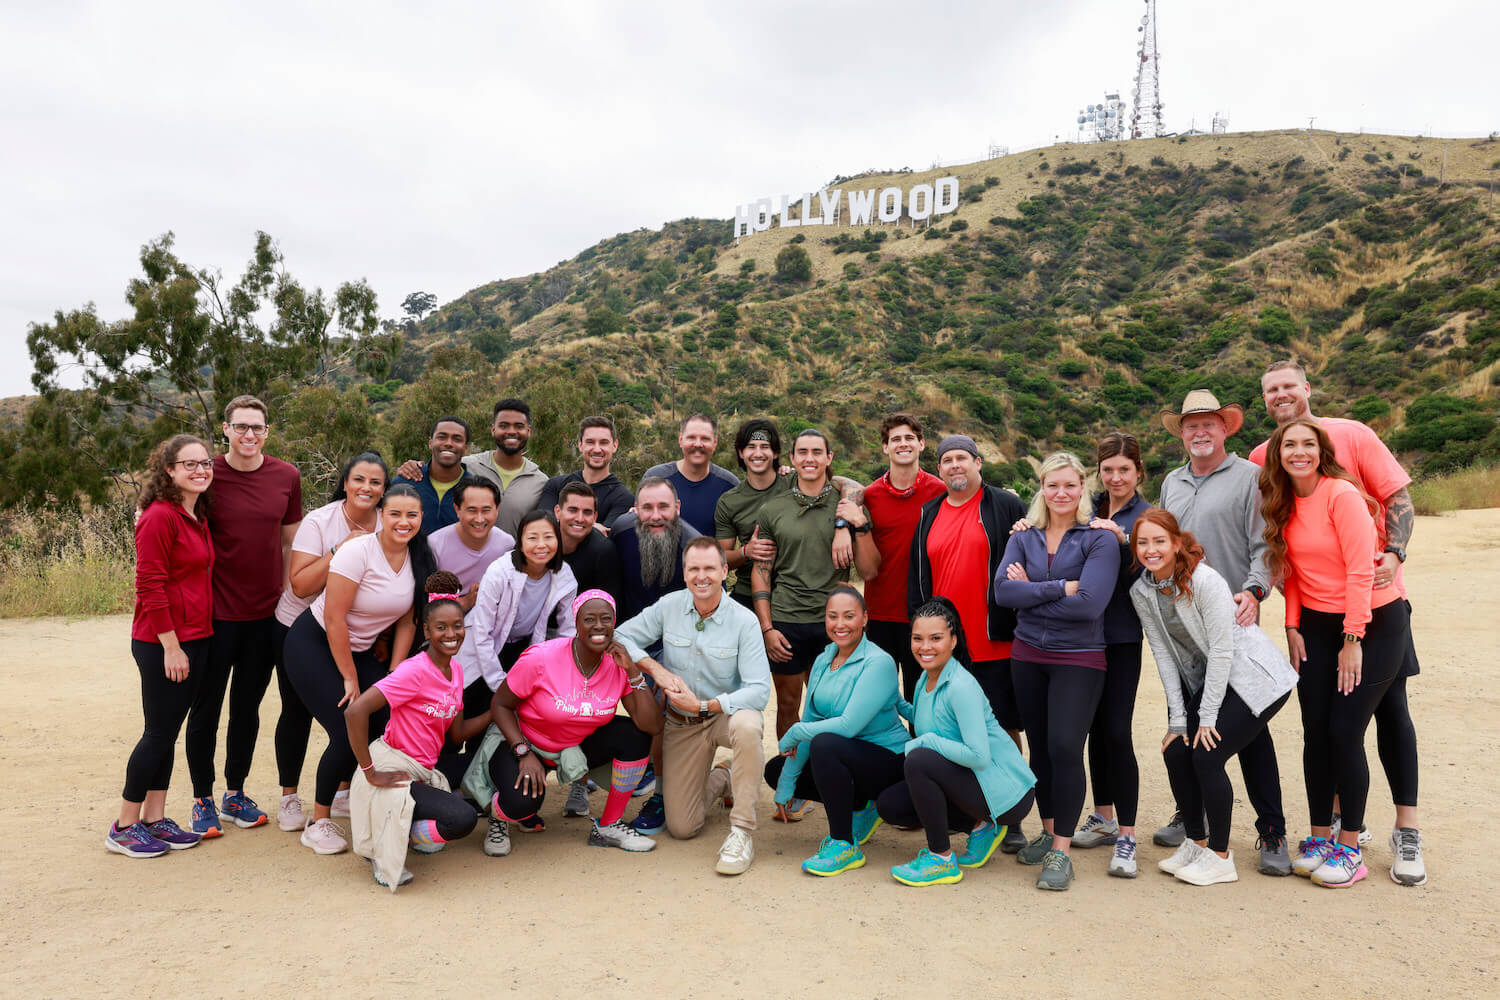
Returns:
<point x="174" y="559"/>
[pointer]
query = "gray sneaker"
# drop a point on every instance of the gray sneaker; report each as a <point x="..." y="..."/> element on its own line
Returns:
<point x="497" y="838"/>
<point x="1274" y="858"/>
<point x="578" y="799"/>
<point x="1123" y="863"/>
<point x="1171" y="835"/>
<point x="1408" y="869"/>
<point x="1096" y="831"/>
<point x="1014" y="840"/>
<point x="1056" y="873"/>
<point x="1035" y="852"/>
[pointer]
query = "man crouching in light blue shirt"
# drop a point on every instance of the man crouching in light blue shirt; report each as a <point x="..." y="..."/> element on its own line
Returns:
<point x="716" y="681"/>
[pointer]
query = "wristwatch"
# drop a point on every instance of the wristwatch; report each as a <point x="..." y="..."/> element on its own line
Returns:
<point x="839" y="522"/>
<point x="703" y="710"/>
<point x="1257" y="591"/>
<point x="521" y="749"/>
<point x="1397" y="551"/>
<point x="1351" y="637"/>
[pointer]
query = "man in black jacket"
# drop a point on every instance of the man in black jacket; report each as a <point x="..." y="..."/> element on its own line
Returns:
<point x="597" y="445"/>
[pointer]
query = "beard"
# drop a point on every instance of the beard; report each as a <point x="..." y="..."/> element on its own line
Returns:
<point x="659" y="555"/>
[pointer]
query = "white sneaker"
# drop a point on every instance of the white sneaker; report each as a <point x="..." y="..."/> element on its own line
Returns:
<point x="1186" y="854"/>
<point x="736" y="853"/>
<point x="497" y="838"/>
<point x="340" y="808"/>
<point x="619" y="834"/>
<point x="324" y="837"/>
<point x="1407" y="869"/>
<point x="1209" y="869"/>
<point x="289" y="813"/>
<point x="1122" y="864"/>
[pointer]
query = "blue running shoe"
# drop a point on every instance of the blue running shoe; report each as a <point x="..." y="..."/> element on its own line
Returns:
<point x="982" y="845"/>
<point x="647" y="784"/>
<point x="652" y="819"/>
<point x="927" y="869"/>
<point x="865" y="822"/>
<point x="174" y="836"/>
<point x="135" y="841"/>
<point x="834" y="857"/>
<point x="242" y="809"/>
<point x="206" y="818"/>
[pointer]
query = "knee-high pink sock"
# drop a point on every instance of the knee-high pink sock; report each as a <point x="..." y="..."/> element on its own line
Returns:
<point x="624" y="775"/>
<point x="424" y="833"/>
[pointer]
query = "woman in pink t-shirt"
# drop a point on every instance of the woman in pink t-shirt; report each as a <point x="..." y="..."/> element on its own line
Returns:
<point x="1347" y="638"/>
<point x="425" y="697"/>
<point x="374" y="582"/>
<point x="556" y="708"/>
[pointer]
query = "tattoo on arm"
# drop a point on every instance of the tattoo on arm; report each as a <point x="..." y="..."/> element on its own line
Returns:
<point x="1400" y="519"/>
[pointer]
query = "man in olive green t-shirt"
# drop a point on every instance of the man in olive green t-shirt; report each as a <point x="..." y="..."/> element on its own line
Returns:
<point x="757" y="446"/>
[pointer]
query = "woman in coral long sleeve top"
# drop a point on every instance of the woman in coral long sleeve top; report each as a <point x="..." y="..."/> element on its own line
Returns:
<point x="1347" y="638"/>
<point x="169" y="636"/>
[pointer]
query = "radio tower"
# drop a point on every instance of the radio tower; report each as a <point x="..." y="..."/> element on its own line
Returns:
<point x="1145" y="119"/>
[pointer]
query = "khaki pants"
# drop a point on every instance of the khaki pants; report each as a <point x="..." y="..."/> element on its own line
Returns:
<point x="688" y="754"/>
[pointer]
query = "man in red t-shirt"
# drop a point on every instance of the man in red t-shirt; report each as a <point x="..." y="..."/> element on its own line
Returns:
<point x="255" y="507"/>
<point x="895" y="504"/>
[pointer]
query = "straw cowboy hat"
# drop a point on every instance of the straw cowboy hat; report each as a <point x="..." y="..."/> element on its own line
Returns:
<point x="1203" y="401"/>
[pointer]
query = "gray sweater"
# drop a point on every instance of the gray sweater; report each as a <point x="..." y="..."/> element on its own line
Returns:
<point x="1223" y="511"/>
<point x="1239" y="657"/>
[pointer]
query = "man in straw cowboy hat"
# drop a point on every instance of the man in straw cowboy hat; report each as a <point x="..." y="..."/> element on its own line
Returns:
<point x="1216" y="496"/>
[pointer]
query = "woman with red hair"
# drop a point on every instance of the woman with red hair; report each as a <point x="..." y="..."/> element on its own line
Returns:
<point x="1223" y="683"/>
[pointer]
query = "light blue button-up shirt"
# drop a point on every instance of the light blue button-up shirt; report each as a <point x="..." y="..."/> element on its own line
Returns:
<point x="726" y="660"/>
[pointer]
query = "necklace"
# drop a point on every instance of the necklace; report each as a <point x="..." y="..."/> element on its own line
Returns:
<point x="587" y="675"/>
<point x="702" y="622"/>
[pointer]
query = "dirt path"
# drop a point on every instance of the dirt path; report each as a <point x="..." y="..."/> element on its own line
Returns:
<point x="257" y="914"/>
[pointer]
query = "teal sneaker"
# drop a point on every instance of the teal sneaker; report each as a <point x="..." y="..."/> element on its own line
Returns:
<point x="865" y="822"/>
<point x="1056" y="873"/>
<point x="982" y="844"/>
<point x="927" y="869"/>
<point x="834" y="857"/>
<point x="1035" y="852"/>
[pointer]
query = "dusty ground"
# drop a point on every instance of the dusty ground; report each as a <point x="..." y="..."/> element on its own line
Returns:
<point x="254" y="913"/>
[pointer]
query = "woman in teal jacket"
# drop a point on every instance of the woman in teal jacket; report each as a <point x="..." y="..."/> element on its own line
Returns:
<point x="846" y="750"/>
<point x="963" y="772"/>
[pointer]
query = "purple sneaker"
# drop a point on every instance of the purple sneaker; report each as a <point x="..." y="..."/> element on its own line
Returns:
<point x="174" y="836"/>
<point x="134" y="841"/>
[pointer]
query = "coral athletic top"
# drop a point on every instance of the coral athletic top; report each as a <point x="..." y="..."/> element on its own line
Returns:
<point x="1332" y="548"/>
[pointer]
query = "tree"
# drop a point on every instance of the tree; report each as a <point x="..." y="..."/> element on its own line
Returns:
<point x="602" y="321"/>
<point x="192" y="344"/>
<point x="793" y="264"/>
<point x="418" y="304"/>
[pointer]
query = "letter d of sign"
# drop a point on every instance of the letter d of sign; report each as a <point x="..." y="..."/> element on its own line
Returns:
<point x="947" y="195"/>
<point x="890" y="204"/>
<point x="922" y="193"/>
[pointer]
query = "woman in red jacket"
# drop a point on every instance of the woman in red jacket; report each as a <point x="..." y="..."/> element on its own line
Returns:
<point x="169" y="635"/>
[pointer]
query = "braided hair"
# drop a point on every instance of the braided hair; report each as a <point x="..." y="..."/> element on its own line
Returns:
<point x="941" y="607"/>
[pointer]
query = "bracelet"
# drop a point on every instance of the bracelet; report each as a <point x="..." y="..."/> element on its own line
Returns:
<point x="767" y="629"/>
<point x="367" y="767"/>
<point x="639" y="684"/>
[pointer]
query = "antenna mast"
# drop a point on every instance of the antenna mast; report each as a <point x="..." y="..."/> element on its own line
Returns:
<point x="1145" y="119"/>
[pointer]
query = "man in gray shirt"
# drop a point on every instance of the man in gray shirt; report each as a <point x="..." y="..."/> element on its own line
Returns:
<point x="1216" y="496"/>
<point x="716" y="680"/>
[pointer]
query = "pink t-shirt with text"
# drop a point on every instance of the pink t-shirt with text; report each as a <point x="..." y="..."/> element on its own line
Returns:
<point x="423" y="703"/>
<point x="559" y="706"/>
<point x="382" y="594"/>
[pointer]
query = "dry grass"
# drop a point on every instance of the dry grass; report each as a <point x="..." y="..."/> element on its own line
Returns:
<point x="62" y="563"/>
<point x="1469" y="489"/>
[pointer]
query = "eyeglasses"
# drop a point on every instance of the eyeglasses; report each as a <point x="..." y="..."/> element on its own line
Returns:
<point x="194" y="464"/>
<point x="256" y="429"/>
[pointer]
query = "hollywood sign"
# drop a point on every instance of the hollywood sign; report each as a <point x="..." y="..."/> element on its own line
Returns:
<point x="921" y="201"/>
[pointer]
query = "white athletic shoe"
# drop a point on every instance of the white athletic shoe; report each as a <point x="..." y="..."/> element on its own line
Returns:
<point x="289" y="814"/>
<point x="1407" y="869"/>
<point x="340" y="807"/>
<point x="1186" y="854"/>
<point x="323" y="836"/>
<point x="619" y="834"/>
<point x="1209" y="869"/>
<point x="736" y="853"/>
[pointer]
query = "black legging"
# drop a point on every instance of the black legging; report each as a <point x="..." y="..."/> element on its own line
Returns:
<point x="319" y="684"/>
<point x="239" y="663"/>
<point x="1396" y="740"/>
<point x="617" y="739"/>
<point x="454" y="817"/>
<point x="842" y="773"/>
<point x="294" y="724"/>
<point x="1333" y="725"/>
<point x="1112" y="763"/>
<point x="453" y="760"/>
<point x="165" y="704"/>
<point x="1199" y="782"/>
<point x="1057" y="706"/>
<point x="942" y="797"/>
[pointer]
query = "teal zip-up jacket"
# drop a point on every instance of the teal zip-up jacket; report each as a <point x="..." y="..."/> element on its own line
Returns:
<point x="860" y="700"/>
<point x="955" y="720"/>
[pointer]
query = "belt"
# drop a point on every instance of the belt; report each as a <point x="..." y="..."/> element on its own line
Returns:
<point x="683" y="719"/>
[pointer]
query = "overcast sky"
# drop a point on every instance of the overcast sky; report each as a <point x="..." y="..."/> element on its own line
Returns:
<point x="439" y="147"/>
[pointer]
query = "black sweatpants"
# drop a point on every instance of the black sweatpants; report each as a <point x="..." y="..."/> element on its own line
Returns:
<point x="294" y="724"/>
<point x="239" y="662"/>
<point x="454" y="817"/>
<point x="895" y="639"/>
<point x="317" y="680"/>
<point x="1112" y="763"/>
<point x="844" y="774"/>
<point x="1197" y="776"/>
<point x="942" y="797"/>
<point x="1333" y="724"/>
<point x="1057" y="707"/>
<point x="617" y="739"/>
<point x="165" y="705"/>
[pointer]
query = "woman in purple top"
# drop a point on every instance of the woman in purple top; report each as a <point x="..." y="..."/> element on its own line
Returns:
<point x="1059" y="577"/>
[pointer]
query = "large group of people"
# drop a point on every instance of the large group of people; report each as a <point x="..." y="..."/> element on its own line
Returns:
<point x="470" y="626"/>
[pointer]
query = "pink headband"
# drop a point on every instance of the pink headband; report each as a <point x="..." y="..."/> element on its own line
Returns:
<point x="589" y="595"/>
<point x="442" y="597"/>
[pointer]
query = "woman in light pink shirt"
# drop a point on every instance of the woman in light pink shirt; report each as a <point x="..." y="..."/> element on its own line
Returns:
<point x="374" y="582"/>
